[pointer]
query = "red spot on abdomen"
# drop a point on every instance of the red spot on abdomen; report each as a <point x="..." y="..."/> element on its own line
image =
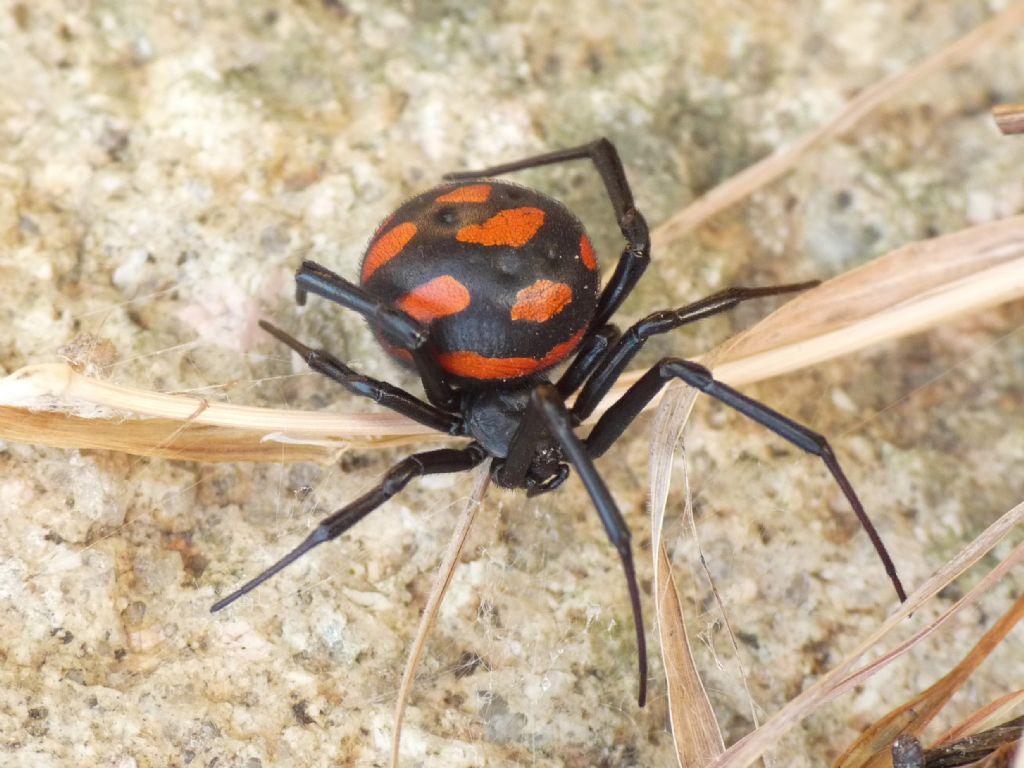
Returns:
<point x="513" y="226"/>
<point x="471" y="193"/>
<point x="541" y="301"/>
<point x="402" y="354"/>
<point x="471" y="365"/>
<point x="587" y="253"/>
<point x="386" y="247"/>
<point x="439" y="297"/>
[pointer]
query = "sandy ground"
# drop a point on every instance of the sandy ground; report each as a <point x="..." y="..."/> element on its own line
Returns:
<point x="164" y="167"/>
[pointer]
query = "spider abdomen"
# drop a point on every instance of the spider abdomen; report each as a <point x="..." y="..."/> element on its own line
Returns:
<point x="505" y="277"/>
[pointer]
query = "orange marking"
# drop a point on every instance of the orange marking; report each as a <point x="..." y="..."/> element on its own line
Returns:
<point x="402" y="354"/>
<point x="471" y="193"/>
<point x="513" y="226"/>
<point x="541" y="301"/>
<point x="386" y="247"/>
<point x="470" y="365"/>
<point x="439" y="297"/>
<point x="587" y="253"/>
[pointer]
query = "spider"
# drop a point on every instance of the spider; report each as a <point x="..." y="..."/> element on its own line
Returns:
<point x="483" y="286"/>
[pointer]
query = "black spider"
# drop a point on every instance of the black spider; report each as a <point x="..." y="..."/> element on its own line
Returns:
<point x="483" y="287"/>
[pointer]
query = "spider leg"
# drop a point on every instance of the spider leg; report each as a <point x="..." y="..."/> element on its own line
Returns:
<point x="616" y="360"/>
<point x="401" y="328"/>
<point x="381" y="392"/>
<point x="396" y="478"/>
<point x="546" y="413"/>
<point x="614" y="422"/>
<point x="589" y="355"/>
<point x="637" y="254"/>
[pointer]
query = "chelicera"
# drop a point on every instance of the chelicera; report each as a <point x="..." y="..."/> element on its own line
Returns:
<point x="483" y="287"/>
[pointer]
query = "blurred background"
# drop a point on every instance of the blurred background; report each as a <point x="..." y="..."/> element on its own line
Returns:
<point x="165" y="167"/>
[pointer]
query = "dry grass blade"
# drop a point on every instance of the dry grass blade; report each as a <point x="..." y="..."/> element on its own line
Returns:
<point x="918" y="286"/>
<point x="162" y="438"/>
<point x="445" y="572"/>
<point x="909" y="290"/>
<point x="745" y="183"/>
<point x="871" y="750"/>
<point x="985" y="717"/>
<point x="698" y="739"/>
<point x="885" y="298"/>
<point x="898" y="290"/>
<point x="695" y="730"/>
<point x="844" y="677"/>
<point x="58" y="387"/>
<point x="1007" y="756"/>
<point x="849" y="679"/>
<point x="1009" y="117"/>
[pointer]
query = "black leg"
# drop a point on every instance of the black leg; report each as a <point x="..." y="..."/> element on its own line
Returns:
<point x="589" y="355"/>
<point x="637" y="255"/>
<point x="615" y="362"/>
<point x="546" y="413"/>
<point x="614" y="422"/>
<point x="381" y="392"/>
<point x="398" y="326"/>
<point x="396" y="478"/>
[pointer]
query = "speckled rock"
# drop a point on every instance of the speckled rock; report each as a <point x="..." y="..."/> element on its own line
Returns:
<point x="165" y="167"/>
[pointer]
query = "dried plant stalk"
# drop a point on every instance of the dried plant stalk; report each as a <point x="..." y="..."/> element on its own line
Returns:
<point x="57" y="386"/>
<point x="872" y="749"/>
<point x="781" y="162"/>
<point x="162" y="438"/>
<point x="843" y="677"/>
<point x="200" y="430"/>
<point x="1009" y="117"/>
<point x="899" y="293"/>
<point x="983" y="718"/>
<point x="695" y="732"/>
<point x="907" y="291"/>
<point x="445" y="573"/>
<point x="1007" y="756"/>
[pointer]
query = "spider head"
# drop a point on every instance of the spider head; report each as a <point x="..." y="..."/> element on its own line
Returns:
<point x="492" y="417"/>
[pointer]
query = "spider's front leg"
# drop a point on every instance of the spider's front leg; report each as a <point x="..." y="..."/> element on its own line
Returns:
<point x="546" y="418"/>
<point x="396" y="325"/>
<point x="637" y="254"/>
<point x="381" y="392"/>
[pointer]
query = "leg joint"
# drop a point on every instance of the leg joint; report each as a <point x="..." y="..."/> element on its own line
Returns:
<point x="399" y="475"/>
<point x="694" y="374"/>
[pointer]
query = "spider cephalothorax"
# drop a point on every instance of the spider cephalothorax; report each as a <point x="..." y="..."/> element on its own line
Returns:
<point x="483" y="287"/>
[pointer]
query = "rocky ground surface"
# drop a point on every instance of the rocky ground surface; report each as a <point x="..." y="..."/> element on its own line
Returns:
<point x="164" y="167"/>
